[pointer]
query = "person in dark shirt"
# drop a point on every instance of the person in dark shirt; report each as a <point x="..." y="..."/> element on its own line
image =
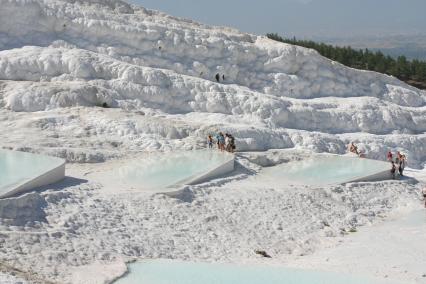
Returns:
<point x="393" y="170"/>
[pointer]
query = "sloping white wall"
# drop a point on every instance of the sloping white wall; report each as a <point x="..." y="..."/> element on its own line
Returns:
<point x="50" y="177"/>
<point x="221" y="170"/>
<point x="378" y="176"/>
<point x="225" y="168"/>
<point x="375" y="177"/>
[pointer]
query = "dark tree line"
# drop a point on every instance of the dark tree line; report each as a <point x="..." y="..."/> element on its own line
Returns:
<point x="413" y="72"/>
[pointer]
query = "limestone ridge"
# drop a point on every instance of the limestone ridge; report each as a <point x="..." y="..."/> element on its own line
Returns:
<point x="56" y="54"/>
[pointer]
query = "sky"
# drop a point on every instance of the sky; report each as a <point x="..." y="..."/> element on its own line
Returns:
<point x="303" y="18"/>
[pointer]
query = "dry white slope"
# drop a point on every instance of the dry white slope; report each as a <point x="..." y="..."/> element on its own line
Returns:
<point x="60" y="59"/>
<point x="56" y="54"/>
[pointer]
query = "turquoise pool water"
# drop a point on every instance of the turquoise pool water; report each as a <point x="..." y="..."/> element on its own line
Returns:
<point x="325" y="169"/>
<point x="17" y="168"/>
<point x="178" y="272"/>
<point x="162" y="170"/>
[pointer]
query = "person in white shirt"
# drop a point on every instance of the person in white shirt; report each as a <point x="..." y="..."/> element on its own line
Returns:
<point x="227" y="142"/>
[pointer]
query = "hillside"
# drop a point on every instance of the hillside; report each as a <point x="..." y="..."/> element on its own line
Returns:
<point x="105" y="84"/>
<point x="59" y="54"/>
<point x="412" y="72"/>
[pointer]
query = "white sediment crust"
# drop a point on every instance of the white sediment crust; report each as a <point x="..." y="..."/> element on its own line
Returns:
<point x="61" y="60"/>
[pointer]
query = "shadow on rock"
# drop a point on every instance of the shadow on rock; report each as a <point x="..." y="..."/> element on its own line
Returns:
<point x="26" y="209"/>
<point x="65" y="183"/>
<point x="23" y="210"/>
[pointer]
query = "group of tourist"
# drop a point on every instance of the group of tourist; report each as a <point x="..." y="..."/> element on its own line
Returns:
<point x="225" y="142"/>
<point x="398" y="163"/>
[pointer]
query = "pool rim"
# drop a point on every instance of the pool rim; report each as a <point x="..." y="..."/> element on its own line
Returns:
<point x="52" y="175"/>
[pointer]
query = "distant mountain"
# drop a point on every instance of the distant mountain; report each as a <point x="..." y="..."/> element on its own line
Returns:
<point x="411" y="52"/>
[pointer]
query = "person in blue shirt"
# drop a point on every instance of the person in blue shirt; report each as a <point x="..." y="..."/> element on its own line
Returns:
<point x="220" y="141"/>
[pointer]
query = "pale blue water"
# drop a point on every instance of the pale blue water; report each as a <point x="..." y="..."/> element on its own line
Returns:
<point x="166" y="169"/>
<point x="178" y="272"/>
<point x="325" y="169"/>
<point x="18" y="167"/>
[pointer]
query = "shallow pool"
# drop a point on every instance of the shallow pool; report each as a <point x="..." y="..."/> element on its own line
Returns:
<point x="17" y="168"/>
<point x="178" y="272"/>
<point x="161" y="170"/>
<point x="326" y="169"/>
